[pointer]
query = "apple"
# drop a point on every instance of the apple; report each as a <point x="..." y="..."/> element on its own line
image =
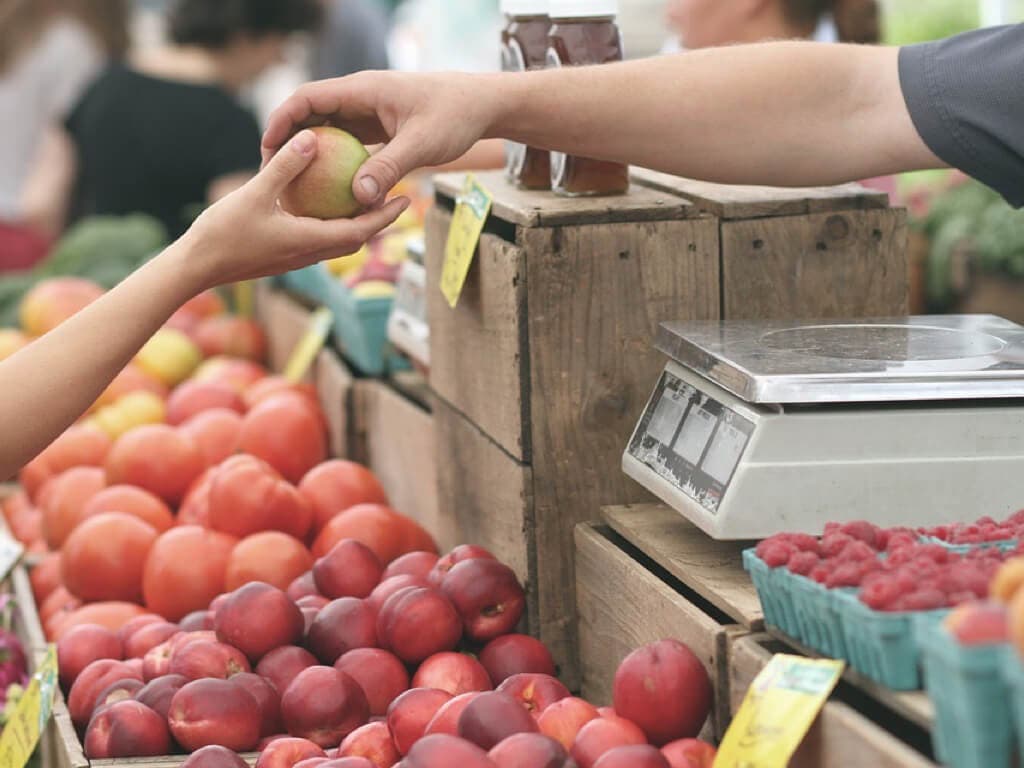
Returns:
<point x="214" y="756"/>
<point x="126" y="729"/>
<point x="633" y="756"/>
<point x="602" y="735"/>
<point x="529" y="749"/>
<point x="535" y="692"/>
<point x="382" y="676"/>
<point x="409" y="715"/>
<point x="349" y="569"/>
<point x="689" y="753"/>
<point x="487" y="596"/>
<point x="215" y="711"/>
<point x="455" y="673"/>
<point x="257" y="618"/>
<point x="417" y="622"/>
<point x="512" y="654"/>
<point x="324" y="189"/>
<point x="453" y="558"/>
<point x="324" y="705"/>
<point x="563" y="719"/>
<point x="492" y="717"/>
<point x="372" y="741"/>
<point x="443" y="751"/>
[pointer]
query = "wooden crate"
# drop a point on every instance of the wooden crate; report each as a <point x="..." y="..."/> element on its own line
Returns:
<point x="825" y="252"/>
<point x="544" y="366"/>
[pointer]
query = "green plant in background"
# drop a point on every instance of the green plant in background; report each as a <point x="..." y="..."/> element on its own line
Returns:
<point x="916" y="21"/>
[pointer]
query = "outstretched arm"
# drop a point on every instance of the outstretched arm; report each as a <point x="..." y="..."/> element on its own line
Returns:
<point x="51" y="382"/>
<point x="788" y="114"/>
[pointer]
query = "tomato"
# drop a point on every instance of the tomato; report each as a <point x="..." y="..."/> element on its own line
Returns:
<point x="287" y="433"/>
<point x="247" y="496"/>
<point x="157" y="458"/>
<point x="337" y="485"/>
<point x="185" y="570"/>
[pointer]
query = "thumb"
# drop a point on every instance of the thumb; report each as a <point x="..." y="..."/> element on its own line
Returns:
<point x="386" y="168"/>
<point x="291" y="160"/>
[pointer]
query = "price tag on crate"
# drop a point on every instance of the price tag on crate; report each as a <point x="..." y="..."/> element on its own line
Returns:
<point x="471" y="209"/>
<point x="11" y="551"/>
<point x="778" y="711"/>
<point x="26" y="723"/>
<point x="309" y="345"/>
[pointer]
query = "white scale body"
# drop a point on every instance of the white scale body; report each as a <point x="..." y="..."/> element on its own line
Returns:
<point x="760" y="428"/>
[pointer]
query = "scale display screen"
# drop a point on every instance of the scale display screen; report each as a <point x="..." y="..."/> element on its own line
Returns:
<point x="691" y="440"/>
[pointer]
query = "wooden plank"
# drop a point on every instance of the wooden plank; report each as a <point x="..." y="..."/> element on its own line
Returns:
<point x="713" y="569"/>
<point x="66" y="748"/>
<point x="736" y="201"/>
<point x="400" y="444"/>
<point x="622" y="606"/>
<point x="596" y="295"/>
<point x="530" y="208"/>
<point x="334" y="383"/>
<point x="817" y="266"/>
<point x="840" y="738"/>
<point x="478" y="358"/>
<point x="284" y="320"/>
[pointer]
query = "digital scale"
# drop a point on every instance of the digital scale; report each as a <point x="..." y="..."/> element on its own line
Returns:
<point x="757" y="428"/>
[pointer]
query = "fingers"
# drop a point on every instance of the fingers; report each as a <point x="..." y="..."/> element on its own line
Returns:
<point x="348" y="235"/>
<point x="281" y="169"/>
<point x="385" y="168"/>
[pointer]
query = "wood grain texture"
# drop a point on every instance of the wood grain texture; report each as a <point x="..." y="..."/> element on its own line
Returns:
<point x="478" y="358"/>
<point x="834" y="265"/>
<point x="335" y="383"/>
<point x="840" y="738"/>
<point x="622" y="606"/>
<point x="735" y="201"/>
<point x="712" y="569"/>
<point x="530" y="208"/>
<point x="596" y="295"/>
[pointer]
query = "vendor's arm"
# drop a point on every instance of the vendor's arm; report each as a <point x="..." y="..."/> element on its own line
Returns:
<point x="51" y="382"/>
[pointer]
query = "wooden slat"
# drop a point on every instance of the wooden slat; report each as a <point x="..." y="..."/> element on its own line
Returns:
<point x="596" y="296"/>
<point x="713" y="569"/>
<point x="334" y="384"/>
<point x="478" y="352"/>
<point x="840" y="738"/>
<point x="545" y="209"/>
<point x="622" y="606"/>
<point x="734" y="201"/>
<point x="830" y="265"/>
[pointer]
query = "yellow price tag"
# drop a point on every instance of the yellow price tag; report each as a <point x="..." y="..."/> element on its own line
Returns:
<point x="11" y="551"/>
<point x="25" y="725"/>
<point x="309" y="345"/>
<point x="778" y="711"/>
<point x="471" y="209"/>
<point x="245" y="302"/>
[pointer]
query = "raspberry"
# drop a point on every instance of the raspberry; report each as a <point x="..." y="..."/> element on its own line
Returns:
<point x="958" y="598"/>
<point x="924" y="599"/>
<point x="934" y="552"/>
<point x="804" y="542"/>
<point x="846" y="575"/>
<point x="897" y="541"/>
<point x="777" y="553"/>
<point x="820" y="573"/>
<point x="802" y="562"/>
<point x="865" y="531"/>
<point x="834" y="527"/>
<point x="769" y="543"/>
<point x="834" y="543"/>
<point x="857" y="550"/>
<point x="1016" y="519"/>
<point x="880" y="593"/>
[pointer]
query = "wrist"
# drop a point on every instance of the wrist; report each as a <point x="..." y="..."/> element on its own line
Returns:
<point x="181" y="268"/>
<point x="505" y="100"/>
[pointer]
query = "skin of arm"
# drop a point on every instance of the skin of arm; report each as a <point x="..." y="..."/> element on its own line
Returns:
<point x="52" y="381"/>
<point x="223" y="186"/>
<point x="784" y="114"/>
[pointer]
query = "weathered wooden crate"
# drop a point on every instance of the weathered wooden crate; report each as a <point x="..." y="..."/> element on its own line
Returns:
<point x="823" y="252"/>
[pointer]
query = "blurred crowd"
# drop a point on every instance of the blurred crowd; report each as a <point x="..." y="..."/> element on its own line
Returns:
<point x="111" y="107"/>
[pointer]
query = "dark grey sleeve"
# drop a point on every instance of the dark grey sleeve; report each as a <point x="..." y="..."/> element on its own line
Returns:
<point x="966" y="98"/>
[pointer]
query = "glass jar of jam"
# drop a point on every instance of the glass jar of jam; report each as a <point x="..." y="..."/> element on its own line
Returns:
<point x="524" y="46"/>
<point x="585" y="32"/>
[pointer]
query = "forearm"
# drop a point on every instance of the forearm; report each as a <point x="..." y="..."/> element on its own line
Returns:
<point x="788" y="114"/>
<point x="51" y="382"/>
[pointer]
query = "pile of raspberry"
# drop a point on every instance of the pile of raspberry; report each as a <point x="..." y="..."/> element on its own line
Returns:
<point x="982" y="531"/>
<point x="892" y="568"/>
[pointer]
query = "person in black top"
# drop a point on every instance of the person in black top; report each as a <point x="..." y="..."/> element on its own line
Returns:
<point x="164" y="134"/>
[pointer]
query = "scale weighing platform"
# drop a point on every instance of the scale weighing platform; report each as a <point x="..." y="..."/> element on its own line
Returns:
<point x="757" y="428"/>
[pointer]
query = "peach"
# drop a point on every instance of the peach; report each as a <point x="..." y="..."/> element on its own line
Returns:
<point x="380" y="674"/>
<point x="453" y="672"/>
<point x="313" y="762"/>
<point x="339" y="627"/>
<point x="282" y="665"/>
<point x="418" y="564"/>
<point x="215" y="433"/>
<point x="81" y="646"/>
<point x="302" y="586"/>
<point x="350" y="762"/>
<point x="133" y="625"/>
<point x="664" y="689"/>
<point x="126" y="729"/>
<point x="324" y="705"/>
<point x="286" y="752"/>
<point x="372" y="741"/>
<point x="269" y="556"/>
<point x="535" y="692"/>
<point x="53" y="300"/>
<point x="487" y="596"/>
<point x="633" y="756"/>
<point x="192" y="397"/>
<point x="204" y="658"/>
<point x="446" y="720"/>
<point x="214" y="756"/>
<point x="514" y="654"/>
<point x="120" y="690"/>
<point x="388" y="587"/>
<point x="313" y="601"/>
<point x="157" y="661"/>
<point x="230" y="335"/>
<point x="563" y="720"/>
<point x="267" y="697"/>
<point x="453" y="558"/>
<point x="417" y="622"/>
<point x="337" y="485"/>
<point x="1008" y="580"/>
<point x="258" y="618"/>
<point x="149" y="636"/>
<point x="529" y="749"/>
<point x="349" y="569"/>
<point x="602" y="735"/>
<point x="443" y="751"/>
<point x="409" y="715"/>
<point x="979" y="623"/>
<point x="689" y="753"/>
<point x="197" y="621"/>
<point x="90" y="683"/>
<point x="157" y="693"/>
<point x="492" y="717"/>
<point x="212" y="711"/>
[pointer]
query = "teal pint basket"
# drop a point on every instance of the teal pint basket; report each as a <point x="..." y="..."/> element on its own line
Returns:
<point x="1005" y="545"/>
<point x="775" y="590"/>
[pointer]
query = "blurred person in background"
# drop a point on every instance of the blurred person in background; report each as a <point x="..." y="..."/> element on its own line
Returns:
<point x="38" y="40"/>
<point x="163" y="133"/>
<point x="353" y="37"/>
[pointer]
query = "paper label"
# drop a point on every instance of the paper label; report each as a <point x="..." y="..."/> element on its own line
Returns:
<point x="778" y="711"/>
<point x="31" y="713"/>
<point x="11" y="551"/>
<point x="309" y="345"/>
<point x="471" y="209"/>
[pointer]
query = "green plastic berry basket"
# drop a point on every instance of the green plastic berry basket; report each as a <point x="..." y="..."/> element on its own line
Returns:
<point x="968" y="685"/>
<point x="820" y="618"/>
<point x="1005" y="545"/>
<point x="775" y="590"/>
<point x="1013" y="677"/>
<point x="309" y="283"/>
